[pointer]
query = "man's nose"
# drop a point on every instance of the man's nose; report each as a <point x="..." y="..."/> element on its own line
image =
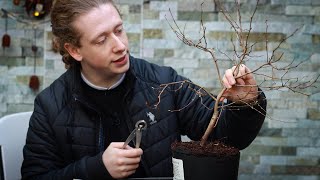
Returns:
<point x="118" y="45"/>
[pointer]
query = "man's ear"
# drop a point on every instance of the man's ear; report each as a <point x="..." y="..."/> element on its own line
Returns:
<point x="73" y="51"/>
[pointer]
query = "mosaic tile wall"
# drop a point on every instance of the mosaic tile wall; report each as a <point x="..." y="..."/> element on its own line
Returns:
<point x="288" y="146"/>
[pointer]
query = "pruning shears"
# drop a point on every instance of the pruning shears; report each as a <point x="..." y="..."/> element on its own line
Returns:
<point x="136" y="133"/>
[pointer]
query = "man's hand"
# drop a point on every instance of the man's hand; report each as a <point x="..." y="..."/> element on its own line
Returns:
<point x="120" y="162"/>
<point x="241" y="85"/>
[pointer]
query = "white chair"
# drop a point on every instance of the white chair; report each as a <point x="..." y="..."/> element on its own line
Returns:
<point x="13" y="130"/>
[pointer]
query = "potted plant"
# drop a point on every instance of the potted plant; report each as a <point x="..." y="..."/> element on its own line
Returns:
<point x="213" y="160"/>
<point x="217" y="160"/>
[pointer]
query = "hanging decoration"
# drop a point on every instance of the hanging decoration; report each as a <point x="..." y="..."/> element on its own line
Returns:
<point x="6" y="39"/>
<point x="27" y="21"/>
<point x="34" y="82"/>
<point x="38" y="8"/>
<point x="16" y="2"/>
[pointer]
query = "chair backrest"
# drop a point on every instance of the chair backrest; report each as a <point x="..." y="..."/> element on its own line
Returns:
<point x="13" y="130"/>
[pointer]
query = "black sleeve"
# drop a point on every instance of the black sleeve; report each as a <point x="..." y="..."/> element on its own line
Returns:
<point x="240" y="124"/>
<point x="43" y="159"/>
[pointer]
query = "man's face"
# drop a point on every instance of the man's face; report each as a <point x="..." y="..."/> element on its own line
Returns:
<point x="104" y="43"/>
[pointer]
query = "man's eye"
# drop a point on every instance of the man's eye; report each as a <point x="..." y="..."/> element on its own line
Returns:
<point x="102" y="41"/>
<point x="119" y="30"/>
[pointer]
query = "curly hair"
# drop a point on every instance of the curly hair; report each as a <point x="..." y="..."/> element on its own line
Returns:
<point x="63" y="14"/>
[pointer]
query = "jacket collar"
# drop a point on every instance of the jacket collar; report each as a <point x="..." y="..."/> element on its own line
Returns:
<point x="76" y="86"/>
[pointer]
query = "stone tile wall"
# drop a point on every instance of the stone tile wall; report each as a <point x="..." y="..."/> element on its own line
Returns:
<point x="288" y="146"/>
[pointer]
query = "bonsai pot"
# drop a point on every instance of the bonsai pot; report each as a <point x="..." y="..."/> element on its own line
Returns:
<point x="214" y="160"/>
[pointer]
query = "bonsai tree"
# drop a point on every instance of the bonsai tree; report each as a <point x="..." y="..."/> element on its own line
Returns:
<point x="274" y="71"/>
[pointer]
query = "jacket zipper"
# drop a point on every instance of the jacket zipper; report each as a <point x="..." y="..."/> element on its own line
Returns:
<point x="100" y="142"/>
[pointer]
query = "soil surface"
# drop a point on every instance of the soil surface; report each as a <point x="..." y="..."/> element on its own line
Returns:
<point x="215" y="148"/>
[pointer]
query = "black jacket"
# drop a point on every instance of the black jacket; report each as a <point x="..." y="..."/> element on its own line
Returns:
<point x="64" y="138"/>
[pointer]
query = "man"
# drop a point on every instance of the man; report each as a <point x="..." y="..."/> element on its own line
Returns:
<point x="80" y="122"/>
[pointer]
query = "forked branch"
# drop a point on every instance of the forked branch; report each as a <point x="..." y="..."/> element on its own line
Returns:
<point x="279" y="78"/>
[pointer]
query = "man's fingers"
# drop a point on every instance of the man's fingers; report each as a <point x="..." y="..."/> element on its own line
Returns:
<point x="237" y="74"/>
<point x="120" y="162"/>
<point x="117" y="145"/>
<point x="228" y="79"/>
<point x="131" y="153"/>
<point x="240" y="81"/>
<point x="128" y="152"/>
<point x="133" y="161"/>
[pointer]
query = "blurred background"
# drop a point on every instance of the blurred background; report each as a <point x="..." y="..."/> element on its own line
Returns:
<point x="288" y="146"/>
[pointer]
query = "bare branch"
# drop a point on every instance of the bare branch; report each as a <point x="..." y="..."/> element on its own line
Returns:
<point x="274" y="71"/>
